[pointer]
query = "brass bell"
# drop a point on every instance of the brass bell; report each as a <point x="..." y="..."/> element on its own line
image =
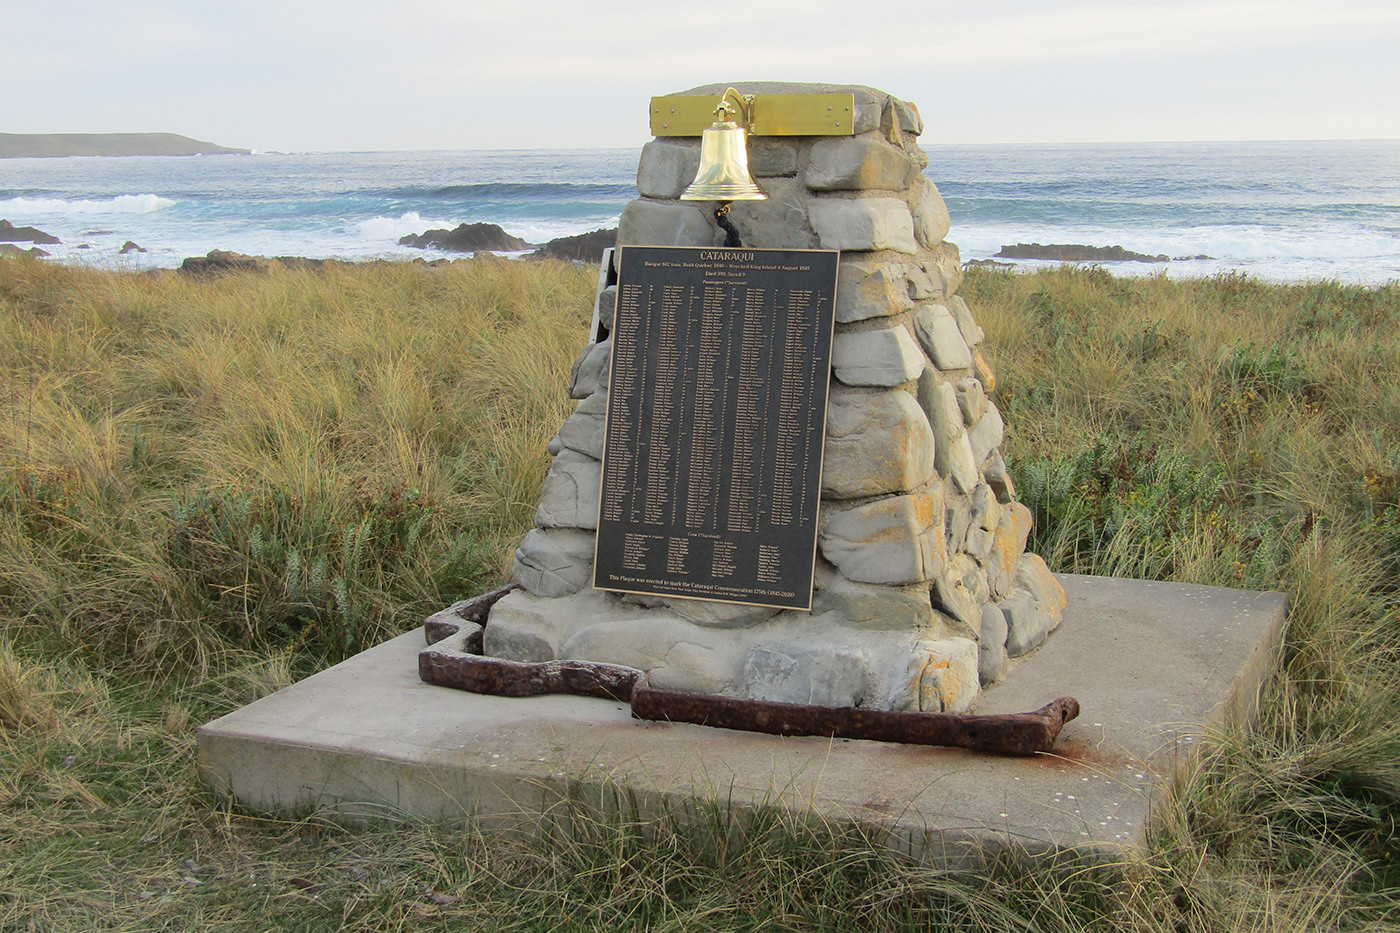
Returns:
<point x="724" y="161"/>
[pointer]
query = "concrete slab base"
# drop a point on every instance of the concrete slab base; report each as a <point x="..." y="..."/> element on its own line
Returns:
<point x="1152" y="664"/>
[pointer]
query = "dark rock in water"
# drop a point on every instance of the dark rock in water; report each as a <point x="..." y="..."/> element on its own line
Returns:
<point x="1074" y="252"/>
<point x="220" y="260"/>
<point x="988" y="264"/>
<point x="9" y="233"/>
<point x="1191" y="258"/>
<point x="10" y="251"/>
<point x="585" y="247"/>
<point x="466" y="238"/>
<point x="130" y="246"/>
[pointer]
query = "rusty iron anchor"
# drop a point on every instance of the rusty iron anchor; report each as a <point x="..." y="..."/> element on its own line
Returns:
<point x="456" y="662"/>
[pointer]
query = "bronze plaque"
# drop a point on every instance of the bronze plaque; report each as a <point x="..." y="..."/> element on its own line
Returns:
<point x="715" y="425"/>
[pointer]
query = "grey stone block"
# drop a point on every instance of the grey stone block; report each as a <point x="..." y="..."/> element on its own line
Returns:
<point x="868" y="289"/>
<point x="991" y="663"/>
<point x="675" y="654"/>
<point x="972" y="399"/>
<point x="952" y="449"/>
<point x="870" y="606"/>
<point x="971" y="330"/>
<point x="554" y="562"/>
<point x="569" y="497"/>
<point x="1027" y="624"/>
<point x="896" y="541"/>
<point x="607" y="304"/>
<point x="1007" y="548"/>
<point x="657" y="223"/>
<point x="589" y="372"/>
<point x="947" y="265"/>
<point x="862" y="224"/>
<point x="583" y="430"/>
<point x="948" y="680"/>
<point x="521" y="629"/>
<point x="708" y="613"/>
<point x="999" y="478"/>
<point x="858" y="162"/>
<point x="939" y="277"/>
<point x="667" y="167"/>
<point x="884" y="357"/>
<point x="994" y="627"/>
<point x="991" y="649"/>
<point x="780" y="222"/>
<point x="907" y="116"/>
<point x="931" y="217"/>
<point x="986" y="435"/>
<point x="958" y="512"/>
<point x="923" y="284"/>
<point x="986" y="519"/>
<point x="819" y="674"/>
<point x="772" y="156"/>
<point x="939" y="336"/>
<point x="953" y="595"/>
<point x="1033" y="576"/>
<point x="876" y="443"/>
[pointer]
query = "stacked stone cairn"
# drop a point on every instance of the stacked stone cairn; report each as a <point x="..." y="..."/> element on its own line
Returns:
<point x="923" y="588"/>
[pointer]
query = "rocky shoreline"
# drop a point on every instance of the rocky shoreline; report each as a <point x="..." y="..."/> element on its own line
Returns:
<point x="584" y="247"/>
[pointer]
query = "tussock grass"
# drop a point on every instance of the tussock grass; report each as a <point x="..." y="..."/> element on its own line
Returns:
<point x="209" y="488"/>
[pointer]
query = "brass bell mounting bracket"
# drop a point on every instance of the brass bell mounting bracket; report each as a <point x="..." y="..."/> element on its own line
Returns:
<point x="759" y="114"/>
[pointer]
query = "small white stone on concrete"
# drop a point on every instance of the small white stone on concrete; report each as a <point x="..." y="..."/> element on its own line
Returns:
<point x="861" y="224"/>
<point x="876" y="443"/>
<point x="884" y="357"/>
<point x="940" y="337"/>
<point x="657" y="223"/>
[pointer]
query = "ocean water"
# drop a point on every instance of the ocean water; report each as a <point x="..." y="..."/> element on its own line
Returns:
<point x="1281" y="211"/>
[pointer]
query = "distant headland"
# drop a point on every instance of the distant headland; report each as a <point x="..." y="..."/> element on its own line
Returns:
<point x="58" y="145"/>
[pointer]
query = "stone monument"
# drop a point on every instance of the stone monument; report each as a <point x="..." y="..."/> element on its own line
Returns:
<point x="922" y="587"/>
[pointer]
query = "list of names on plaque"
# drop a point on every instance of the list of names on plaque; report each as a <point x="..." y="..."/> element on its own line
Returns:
<point x="716" y="417"/>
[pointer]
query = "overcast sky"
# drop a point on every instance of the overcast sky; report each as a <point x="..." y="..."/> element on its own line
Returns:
<point x="300" y="75"/>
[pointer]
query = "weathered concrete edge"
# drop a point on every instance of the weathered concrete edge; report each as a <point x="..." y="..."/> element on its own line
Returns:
<point x="357" y="778"/>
